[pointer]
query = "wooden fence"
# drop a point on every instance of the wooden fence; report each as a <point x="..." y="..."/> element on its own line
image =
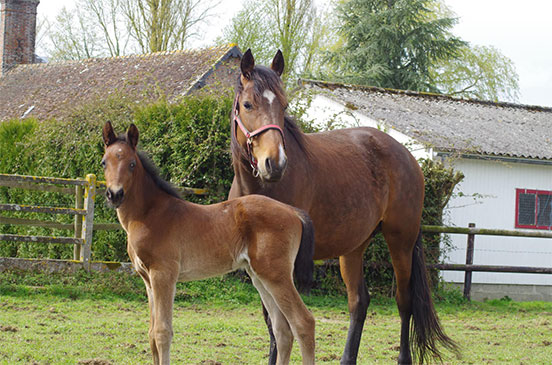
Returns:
<point x="86" y="190"/>
<point x="85" y="194"/>
<point x="471" y="231"/>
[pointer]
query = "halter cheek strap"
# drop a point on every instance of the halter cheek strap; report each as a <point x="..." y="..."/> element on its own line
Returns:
<point x="251" y="135"/>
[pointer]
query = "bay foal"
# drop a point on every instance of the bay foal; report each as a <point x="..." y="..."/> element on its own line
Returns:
<point x="170" y="239"/>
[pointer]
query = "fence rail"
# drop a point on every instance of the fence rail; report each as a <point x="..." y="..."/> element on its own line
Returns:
<point x="471" y="231"/>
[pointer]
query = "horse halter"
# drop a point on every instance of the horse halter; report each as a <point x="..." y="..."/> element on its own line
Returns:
<point x="251" y="135"/>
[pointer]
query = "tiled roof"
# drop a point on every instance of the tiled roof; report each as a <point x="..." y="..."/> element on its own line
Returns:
<point x="452" y="124"/>
<point x="43" y="90"/>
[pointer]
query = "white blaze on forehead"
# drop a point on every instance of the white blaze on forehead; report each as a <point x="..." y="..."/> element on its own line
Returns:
<point x="269" y="95"/>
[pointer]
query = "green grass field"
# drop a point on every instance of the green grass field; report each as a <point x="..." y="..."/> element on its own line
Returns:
<point x="103" y="319"/>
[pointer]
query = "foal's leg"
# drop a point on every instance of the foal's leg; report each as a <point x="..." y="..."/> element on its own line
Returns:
<point x="358" y="297"/>
<point x="283" y="336"/>
<point x="295" y="314"/>
<point x="163" y="288"/>
<point x="153" y="346"/>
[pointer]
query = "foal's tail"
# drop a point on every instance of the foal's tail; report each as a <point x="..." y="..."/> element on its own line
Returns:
<point x="426" y="333"/>
<point x="304" y="265"/>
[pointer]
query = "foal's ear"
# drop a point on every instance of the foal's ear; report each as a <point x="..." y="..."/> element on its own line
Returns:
<point x="247" y="64"/>
<point x="278" y="63"/>
<point x="132" y="135"/>
<point x="108" y="135"/>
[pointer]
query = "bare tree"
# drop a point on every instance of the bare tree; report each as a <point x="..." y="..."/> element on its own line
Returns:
<point x="108" y="15"/>
<point x="296" y="27"/>
<point x="118" y="27"/>
<point x="72" y="36"/>
<point x="160" y="25"/>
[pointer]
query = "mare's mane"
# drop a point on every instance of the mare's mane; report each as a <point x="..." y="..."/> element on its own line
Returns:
<point x="153" y="171"/>
<point x="266" y="79"/>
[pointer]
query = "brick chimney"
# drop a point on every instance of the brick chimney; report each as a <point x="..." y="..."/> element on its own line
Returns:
<point x="17" y="32"/>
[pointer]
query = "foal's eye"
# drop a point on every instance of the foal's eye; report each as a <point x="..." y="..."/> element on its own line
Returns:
<point x="132" y="165"/>
<point x="103" y="164"/>
<point x="247" y="105"/>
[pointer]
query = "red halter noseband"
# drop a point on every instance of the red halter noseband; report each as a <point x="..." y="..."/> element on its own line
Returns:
<point x="251" y="135"/>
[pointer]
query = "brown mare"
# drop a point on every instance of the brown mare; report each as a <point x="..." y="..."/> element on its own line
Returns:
<point x="353" y="183"/>
<point x="170" y="239"/>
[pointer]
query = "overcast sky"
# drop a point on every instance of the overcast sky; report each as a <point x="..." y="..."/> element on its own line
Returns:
<point x="521" y="30"/>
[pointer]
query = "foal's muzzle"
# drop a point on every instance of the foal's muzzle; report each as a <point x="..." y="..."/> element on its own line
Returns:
<point x="114" y="198"/>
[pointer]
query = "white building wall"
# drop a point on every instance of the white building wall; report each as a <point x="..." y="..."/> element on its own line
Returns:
<point x="494" y="184"/>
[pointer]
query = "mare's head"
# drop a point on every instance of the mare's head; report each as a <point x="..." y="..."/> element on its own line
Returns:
<point x="260" y="109"/>
<point x="119" y="162"/>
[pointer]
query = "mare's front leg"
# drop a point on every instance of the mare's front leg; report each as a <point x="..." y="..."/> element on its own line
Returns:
<point x="163" y="287"/>
<point x="273" y="350"/>
<point x="352" y="272"/>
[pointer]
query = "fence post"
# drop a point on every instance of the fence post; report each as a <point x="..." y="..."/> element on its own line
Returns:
<point x="88" y="220"/>
<point x="78" y="221"/>
<point x="469" y="261"/>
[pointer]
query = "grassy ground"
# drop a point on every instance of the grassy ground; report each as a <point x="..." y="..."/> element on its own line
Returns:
<point x="103" y="319"/>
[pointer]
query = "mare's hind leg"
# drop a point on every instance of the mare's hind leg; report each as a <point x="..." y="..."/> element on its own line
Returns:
<point x="352" y="272"/>
<point x="272" y="352"/>
<point x="401" y="243"/>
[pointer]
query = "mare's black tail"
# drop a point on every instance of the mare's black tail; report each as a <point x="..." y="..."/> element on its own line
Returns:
<point x="426" y="332"/>
<point x="304" y="265"/>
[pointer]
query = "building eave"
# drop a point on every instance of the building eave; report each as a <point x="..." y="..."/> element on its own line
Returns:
<point x="484" y="157"/>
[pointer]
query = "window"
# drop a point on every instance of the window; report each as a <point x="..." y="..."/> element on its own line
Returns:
<point x="533" y="209"/>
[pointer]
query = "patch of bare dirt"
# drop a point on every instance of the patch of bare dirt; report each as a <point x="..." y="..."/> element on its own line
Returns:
<point x="8" y="329"/>
<point x="94" y="362"/>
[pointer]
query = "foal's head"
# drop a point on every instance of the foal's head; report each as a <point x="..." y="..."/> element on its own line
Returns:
<point x="261" y="102"/>
<point x="119" y="162"/>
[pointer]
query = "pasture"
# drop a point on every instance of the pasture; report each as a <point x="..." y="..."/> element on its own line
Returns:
<point x="103" y="319"/>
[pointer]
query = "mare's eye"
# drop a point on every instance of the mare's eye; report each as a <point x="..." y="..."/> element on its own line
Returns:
<point x="103" y="164"/>
<point x="247" y="105"/>
<point x="132" y="165"/>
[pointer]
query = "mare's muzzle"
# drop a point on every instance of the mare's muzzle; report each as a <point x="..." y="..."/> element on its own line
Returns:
<point x="274" y="170"/>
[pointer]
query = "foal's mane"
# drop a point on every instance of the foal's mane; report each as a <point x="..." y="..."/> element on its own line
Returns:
<point x="265" y="79"/>
<point x="153" y="171"/>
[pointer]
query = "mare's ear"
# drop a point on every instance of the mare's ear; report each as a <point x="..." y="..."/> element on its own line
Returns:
<point x="132" y="135"/>
<point x="278" y="63"/>
<point x="247" y="64"/>
<point x="108" y="135"/>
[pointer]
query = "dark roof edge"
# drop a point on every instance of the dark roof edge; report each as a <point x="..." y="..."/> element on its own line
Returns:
<point x="491" y="157"/>
<point x="139" y="55"/>
<point x="335" y="85"/>
<point x="202" y="80"/>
